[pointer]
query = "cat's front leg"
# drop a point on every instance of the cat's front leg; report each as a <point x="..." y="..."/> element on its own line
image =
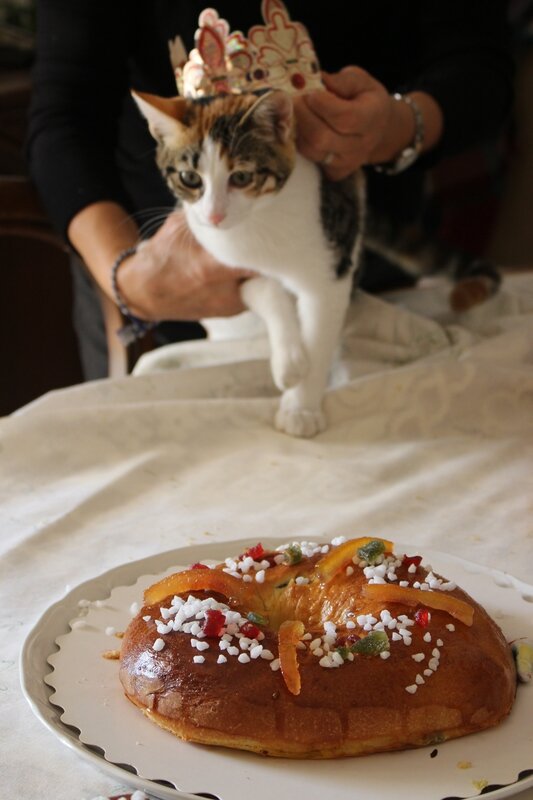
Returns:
<point x="277" y="308"/>
<point x="321" y="314"/>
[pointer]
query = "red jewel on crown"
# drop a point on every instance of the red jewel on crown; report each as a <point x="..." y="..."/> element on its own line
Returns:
<point x="298" y="81"/>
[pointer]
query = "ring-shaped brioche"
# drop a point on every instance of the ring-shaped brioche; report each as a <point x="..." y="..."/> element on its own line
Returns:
<point x="349" y="651"/>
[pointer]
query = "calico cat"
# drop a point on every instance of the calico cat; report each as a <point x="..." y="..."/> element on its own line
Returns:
<point x="253" y="201"/>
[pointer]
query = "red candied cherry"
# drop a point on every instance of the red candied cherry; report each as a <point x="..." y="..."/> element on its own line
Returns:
<point x="408" y="560"/>
<point x="199" y="566"/>
<point x="422" y="617"/>
<point x="256" y="552"/>
<point x="250" y="630"/>
<point x="214" y="622"/>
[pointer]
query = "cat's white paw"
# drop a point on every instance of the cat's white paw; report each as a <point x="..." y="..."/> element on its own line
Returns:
<point x="289" y="367"/>
<point x="300" y="422"/>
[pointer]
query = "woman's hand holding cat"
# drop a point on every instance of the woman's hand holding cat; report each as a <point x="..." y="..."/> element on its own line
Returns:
<point x="355" y="121"/>
<point x="172" y="277"/>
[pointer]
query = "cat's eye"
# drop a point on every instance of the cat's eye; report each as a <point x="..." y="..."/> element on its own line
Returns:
<point x="190" y="179"/>
<point x="241" y="178"/>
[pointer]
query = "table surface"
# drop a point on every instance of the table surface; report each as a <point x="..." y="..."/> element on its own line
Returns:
<point x="429" y="442"/>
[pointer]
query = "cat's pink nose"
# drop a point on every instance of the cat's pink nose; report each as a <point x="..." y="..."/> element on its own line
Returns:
<point x="216" y="219"/>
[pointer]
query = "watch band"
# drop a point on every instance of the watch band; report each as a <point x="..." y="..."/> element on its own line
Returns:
<point x="410" y="153"/>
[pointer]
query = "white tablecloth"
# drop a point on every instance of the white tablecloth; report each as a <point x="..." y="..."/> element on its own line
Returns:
<point x="430" y="442"/>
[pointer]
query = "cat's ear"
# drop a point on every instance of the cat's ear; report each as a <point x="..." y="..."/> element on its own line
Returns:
<point x="274" y="111"/>
<point x="163" y="114"/>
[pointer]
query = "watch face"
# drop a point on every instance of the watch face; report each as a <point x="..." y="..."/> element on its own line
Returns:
<point x="404" y="160"/>
<point x="408" y="153"/>
<point x="407" y="157"/>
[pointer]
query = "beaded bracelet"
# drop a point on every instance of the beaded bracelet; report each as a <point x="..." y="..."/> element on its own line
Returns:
<point x="135" y="328"/>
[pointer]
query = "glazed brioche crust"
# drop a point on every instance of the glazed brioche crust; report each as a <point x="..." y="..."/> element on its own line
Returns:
<point x="361" y="707"/>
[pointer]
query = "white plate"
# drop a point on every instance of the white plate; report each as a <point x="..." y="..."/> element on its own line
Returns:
<point x="88" y="711"/>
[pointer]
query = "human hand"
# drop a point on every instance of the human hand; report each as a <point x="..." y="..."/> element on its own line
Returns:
<point x="353" y="122"/>
<point x="171" y="277"/>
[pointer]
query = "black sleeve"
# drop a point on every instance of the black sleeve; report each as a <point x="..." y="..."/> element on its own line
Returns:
<point x="79" y="81"/>
<point x="466" y="64"/>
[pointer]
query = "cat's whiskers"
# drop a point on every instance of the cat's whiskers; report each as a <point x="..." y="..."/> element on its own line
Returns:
<point x="153" y="224"/>
<point x="154" y="218"/>
<point x="149" y="228"/>
<point x="182" y="238"/>
<point x="144" y="212"/>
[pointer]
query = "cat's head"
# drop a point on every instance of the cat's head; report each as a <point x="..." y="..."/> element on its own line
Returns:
<point x="224" y="157"/>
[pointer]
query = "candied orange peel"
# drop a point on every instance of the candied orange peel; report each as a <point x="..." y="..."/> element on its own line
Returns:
<point x="197" y="580"/>
<point x="390" y="593"/>
<point x="289" y="634"/>
<point x="341" y="556"/>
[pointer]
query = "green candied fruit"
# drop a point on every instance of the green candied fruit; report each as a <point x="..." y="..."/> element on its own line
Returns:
<point x="372" y="551"/>
<point x="373" y="644"/>
<point x="256" y="619"/>
<point x="343" y="651"/>
<point x="293" y="554"/>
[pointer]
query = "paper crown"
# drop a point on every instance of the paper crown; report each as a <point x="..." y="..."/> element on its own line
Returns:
<point x="276" y="55"/>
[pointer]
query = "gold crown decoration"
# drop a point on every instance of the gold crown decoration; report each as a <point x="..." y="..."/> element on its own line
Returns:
<point x="276" y="55"/>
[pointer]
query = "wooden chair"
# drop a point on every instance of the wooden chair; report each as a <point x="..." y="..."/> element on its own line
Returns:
<point x="38" y="346"/>
<point x="38" y="350"/>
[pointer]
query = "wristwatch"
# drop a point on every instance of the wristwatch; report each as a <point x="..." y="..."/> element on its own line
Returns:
<point x="410" y="153"/>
